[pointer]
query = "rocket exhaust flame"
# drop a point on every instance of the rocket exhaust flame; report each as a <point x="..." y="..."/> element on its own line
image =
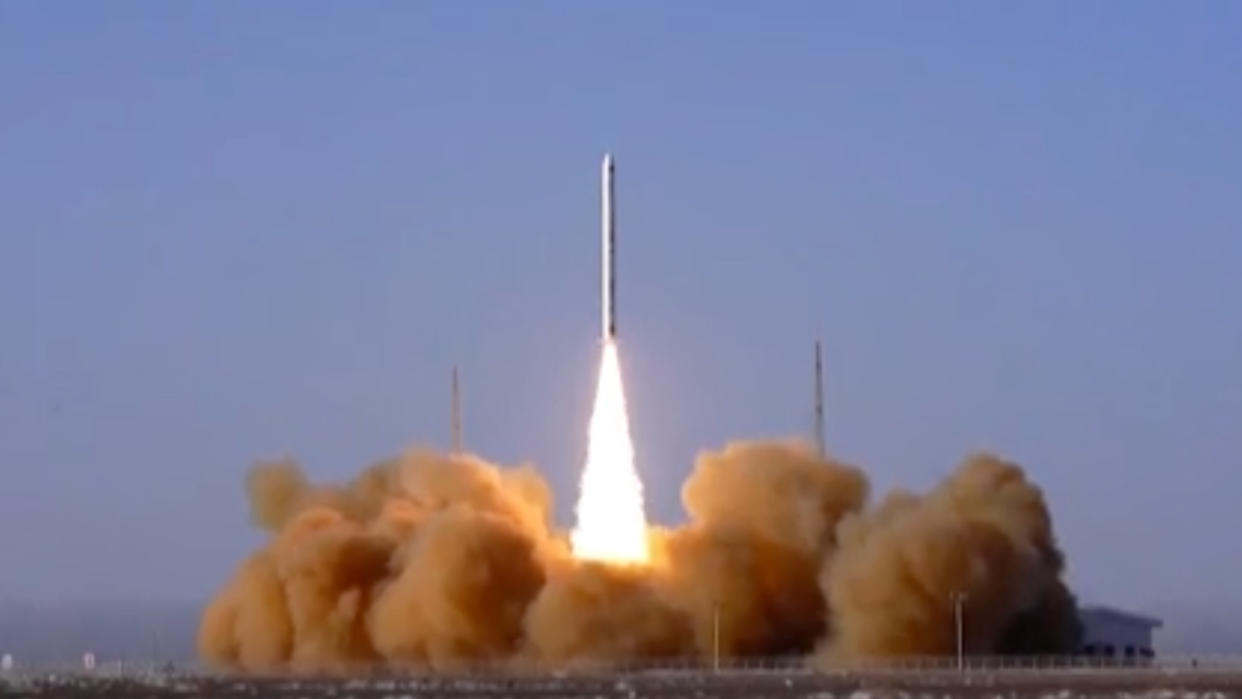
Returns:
<point x="612" y="524"/>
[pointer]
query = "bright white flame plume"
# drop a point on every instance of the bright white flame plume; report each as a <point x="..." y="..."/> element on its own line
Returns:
<point x="612" y="525"/>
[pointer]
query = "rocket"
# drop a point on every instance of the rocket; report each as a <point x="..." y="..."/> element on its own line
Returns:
<point x="609" y="249"/>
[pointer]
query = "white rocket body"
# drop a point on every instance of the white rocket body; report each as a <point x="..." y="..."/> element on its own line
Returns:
<point x="609" y="248"/>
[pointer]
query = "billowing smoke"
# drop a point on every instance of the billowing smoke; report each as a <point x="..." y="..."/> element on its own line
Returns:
<point x="434" y="560"/>
<point x="985" y="535"/>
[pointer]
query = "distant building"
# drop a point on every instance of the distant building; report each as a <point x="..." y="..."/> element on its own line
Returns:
<point x="1113" y="633"/>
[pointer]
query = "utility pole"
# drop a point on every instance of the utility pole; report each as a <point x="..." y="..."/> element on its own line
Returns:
<point x="958" y="598"/>
<point x="716" y="636"/>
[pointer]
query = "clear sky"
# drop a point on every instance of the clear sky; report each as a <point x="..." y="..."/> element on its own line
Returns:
<point x="238" y="230"/>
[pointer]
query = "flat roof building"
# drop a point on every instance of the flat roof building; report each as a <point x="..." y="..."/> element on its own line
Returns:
<point x="1114" y="633"/>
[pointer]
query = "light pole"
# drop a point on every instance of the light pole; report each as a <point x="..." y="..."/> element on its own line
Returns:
<point x="958" y="598"/>
<point x="716" y="636"/>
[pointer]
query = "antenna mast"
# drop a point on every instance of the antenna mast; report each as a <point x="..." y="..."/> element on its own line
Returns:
<point x="456" y="413"/>
<point x="819" y="401"/>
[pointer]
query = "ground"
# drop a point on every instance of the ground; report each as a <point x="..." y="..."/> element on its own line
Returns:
<point x="1156" y="683"/>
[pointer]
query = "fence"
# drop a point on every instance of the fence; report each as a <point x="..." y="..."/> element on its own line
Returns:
<point x="739" y="665"/>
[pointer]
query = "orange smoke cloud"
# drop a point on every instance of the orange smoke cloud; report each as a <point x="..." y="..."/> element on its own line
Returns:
<point x="984" y="533"/>
<point x="431" y="560"/>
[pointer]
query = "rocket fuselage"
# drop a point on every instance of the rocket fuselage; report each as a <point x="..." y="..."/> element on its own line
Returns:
<point x="609" y="248"/>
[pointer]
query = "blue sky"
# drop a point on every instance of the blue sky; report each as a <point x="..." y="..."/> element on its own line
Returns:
<point x="235" y="230"/>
